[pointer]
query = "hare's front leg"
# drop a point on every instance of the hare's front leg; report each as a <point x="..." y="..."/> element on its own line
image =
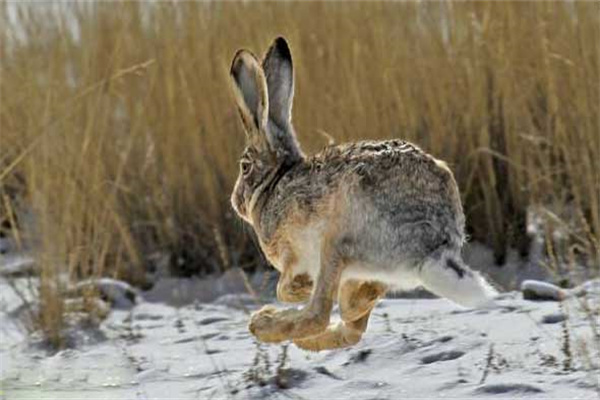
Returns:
<point x="357" y="299"/>
<point x="273" y="326"/>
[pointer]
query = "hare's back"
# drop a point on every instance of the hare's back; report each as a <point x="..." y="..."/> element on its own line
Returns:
<point x="378" y="164"/>
<point x="400" y="183"/>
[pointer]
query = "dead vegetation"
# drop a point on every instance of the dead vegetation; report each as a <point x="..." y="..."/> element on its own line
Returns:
<point x="119" y="136"/>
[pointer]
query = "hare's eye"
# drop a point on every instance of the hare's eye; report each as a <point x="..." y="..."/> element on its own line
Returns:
<point x="246" y="167"/>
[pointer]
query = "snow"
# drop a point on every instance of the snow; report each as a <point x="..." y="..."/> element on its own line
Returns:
<point x="14" y="265"/>
<point x="537" y="290"/>
<point x="413" y="348"/>
<point x="120" y="294"/>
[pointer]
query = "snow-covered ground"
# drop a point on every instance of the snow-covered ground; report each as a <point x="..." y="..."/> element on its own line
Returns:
<point x="188" y="339"/>
<point x="413" y="348"/>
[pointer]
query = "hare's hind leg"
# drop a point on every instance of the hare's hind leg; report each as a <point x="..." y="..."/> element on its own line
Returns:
<point x="271" y="325"/>
<point x="356" y="299"/>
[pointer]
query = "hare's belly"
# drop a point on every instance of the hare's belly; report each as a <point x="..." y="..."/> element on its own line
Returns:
<point x="306" y="246"/>
<point x="400" y="276"/>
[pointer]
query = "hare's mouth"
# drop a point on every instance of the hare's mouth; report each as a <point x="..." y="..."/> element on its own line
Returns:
<point x="238" y="204"/>
<point x="242" y="211"/>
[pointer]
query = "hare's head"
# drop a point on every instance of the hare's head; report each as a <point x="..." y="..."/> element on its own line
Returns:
<point x="264" y="94"/>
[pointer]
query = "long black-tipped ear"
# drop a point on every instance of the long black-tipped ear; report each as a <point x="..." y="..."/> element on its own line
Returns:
<point x="279" y="72"/>
<point x="250" y="87"/>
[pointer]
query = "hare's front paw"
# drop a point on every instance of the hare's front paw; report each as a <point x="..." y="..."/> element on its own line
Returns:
<point x="272" y="326"/>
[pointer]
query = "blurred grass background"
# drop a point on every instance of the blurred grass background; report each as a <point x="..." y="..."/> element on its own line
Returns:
<point x="119" y="136"/>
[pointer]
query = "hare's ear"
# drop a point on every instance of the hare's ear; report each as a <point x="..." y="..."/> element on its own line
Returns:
<point x="279" y="72"/>
<point x="250" y="87"/>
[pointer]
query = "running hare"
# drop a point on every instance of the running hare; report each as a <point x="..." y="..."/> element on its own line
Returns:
<point x="351" y="222"/>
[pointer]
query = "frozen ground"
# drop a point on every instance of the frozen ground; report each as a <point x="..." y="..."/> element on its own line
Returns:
<point x="414" y="348"/>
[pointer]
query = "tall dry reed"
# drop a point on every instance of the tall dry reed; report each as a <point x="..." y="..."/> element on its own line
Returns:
<point x="119" y="134"/>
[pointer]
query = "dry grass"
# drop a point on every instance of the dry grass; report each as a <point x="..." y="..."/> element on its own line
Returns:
<point x="118" y="130"/>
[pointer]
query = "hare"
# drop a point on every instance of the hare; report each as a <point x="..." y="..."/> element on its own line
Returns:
<point x="351" y="222"/>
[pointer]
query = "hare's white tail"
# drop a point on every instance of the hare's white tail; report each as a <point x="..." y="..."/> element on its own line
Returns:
<point x="449" y="277"/>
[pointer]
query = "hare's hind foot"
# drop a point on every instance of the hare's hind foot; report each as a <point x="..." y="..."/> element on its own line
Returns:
<point x="273" y="326"/>
<point x="357" y="300"/>
<point x="336" y="336"/>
